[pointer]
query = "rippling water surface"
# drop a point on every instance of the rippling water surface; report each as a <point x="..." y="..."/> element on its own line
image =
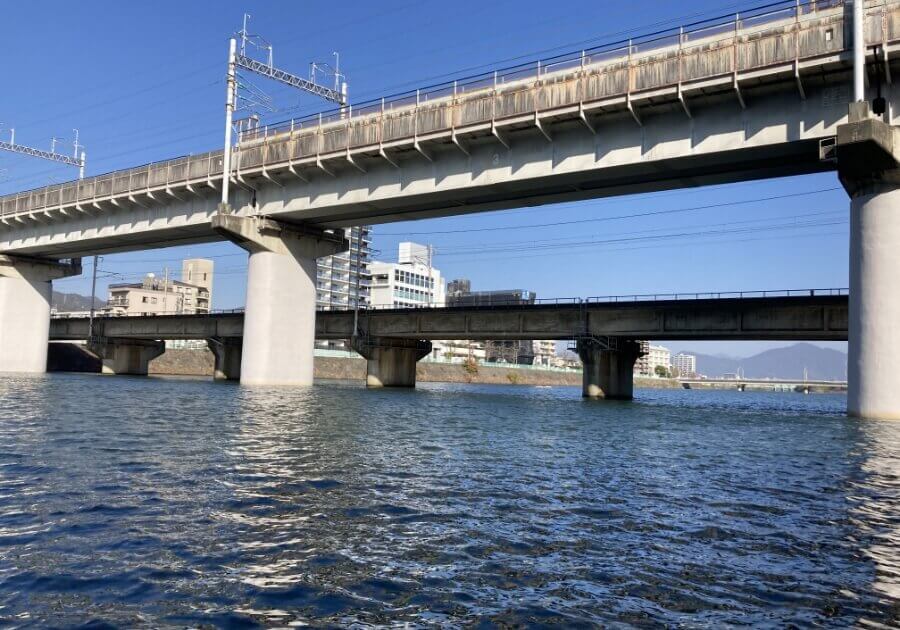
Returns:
<point x="153" y="502"/>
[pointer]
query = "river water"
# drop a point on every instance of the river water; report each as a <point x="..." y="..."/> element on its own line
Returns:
<point x="137" y="502"/>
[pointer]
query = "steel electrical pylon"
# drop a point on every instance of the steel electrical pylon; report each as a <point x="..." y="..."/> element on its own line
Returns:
<point x="238" y="58"/>
<point x="77" y="159"/>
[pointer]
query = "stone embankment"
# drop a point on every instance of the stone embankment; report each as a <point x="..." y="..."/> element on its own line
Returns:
<point x="180" y="362"/>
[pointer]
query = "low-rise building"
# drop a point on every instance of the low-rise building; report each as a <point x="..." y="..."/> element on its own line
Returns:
<point x="651" y="357"/>
<point x="457" y="350"/>
<point x="544" y="351"/>
<point x="157" y="296"/>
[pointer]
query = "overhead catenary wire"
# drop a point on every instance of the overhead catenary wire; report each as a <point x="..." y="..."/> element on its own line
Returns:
<point x="647" y="213"/>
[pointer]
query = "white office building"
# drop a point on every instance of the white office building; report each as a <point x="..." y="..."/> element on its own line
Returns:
<point x="685" y="364"/>
<point x="409" y="283"/>
<point x="457" y="351"/>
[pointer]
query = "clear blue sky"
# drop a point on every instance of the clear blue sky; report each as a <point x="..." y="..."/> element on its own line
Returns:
<point x="144" y="82"/>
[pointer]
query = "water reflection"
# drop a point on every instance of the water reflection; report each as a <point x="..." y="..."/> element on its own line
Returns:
<point x="208" y="503"/>
<point x="876" y="506"/>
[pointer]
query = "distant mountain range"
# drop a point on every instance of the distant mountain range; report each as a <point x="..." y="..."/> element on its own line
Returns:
<point x="74" y="302"/>
<point x="822" y="364"/>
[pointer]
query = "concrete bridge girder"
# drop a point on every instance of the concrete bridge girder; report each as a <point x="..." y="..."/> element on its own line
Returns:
<point x="778" y="136"/>
<point x="784" y="318"/>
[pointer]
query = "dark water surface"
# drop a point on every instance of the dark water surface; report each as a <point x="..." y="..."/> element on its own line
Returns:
<point x="151" y="502"/>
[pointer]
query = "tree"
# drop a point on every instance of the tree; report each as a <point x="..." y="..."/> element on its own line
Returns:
<point x="661" y="371"/>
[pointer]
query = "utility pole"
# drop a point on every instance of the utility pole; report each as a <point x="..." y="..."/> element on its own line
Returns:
<point x="166" y="292"/>
<point x="859" y="51"/>
<point x="93" y="298"/>
<point x="358" y="274"/>
<point x="230" y="97"/>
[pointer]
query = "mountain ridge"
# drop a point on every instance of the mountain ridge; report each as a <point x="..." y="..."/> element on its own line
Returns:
<point x="790" y="362"/>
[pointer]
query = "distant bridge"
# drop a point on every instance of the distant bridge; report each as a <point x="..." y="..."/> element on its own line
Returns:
<point x="743" y="384"/>
<point x="797" y="317"/>
<point x="393" y="340"/>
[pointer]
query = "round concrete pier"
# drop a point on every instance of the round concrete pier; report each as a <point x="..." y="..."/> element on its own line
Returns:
<point x="280" y="318"/>
<point x="873" y="368"/>
<point x="25" y="317"/>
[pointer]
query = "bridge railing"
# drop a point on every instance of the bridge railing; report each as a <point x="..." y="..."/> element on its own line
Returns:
<point x="768" y="36"/>
<point x="564" y="301"/>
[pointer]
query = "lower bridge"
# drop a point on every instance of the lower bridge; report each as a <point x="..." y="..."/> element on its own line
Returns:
<point x="393" y="340"/>
<point x="778" y="385"/>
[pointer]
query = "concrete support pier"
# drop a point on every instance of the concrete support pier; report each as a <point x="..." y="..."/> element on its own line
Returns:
<point x="227" y="352"/>
<point x="126" y="356"/>
<point x="868" y="167"/>
<point x="280" y="315"/>
<point x="873" y="362"/>
<point x="391" y="362"/>
<point x="608" y="367"/>
<point x="25" y="291"/>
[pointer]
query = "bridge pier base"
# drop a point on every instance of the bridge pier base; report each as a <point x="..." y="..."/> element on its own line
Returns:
<point x="608" y="372"/>
<point x="126" y="356"/>
<point x="868" y="152"/>
<point x="25" y="291"/>
<point x="227" y="352"/>
<point x="391" y="362"/>
<point x="280" y="315"/>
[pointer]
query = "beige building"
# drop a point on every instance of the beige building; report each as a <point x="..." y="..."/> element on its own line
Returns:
<point x="457" y="350"/>
<point x="651" y="357"/>
<point x="544" y="351"/>
<point x="157" y="296"/>
<point x="198" y="272"/>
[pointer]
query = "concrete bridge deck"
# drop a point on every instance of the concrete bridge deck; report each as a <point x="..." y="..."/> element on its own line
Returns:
<point x="813" y="318"/>
<point x="749" y="97"/>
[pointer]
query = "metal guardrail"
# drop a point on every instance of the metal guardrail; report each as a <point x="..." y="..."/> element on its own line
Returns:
<point x="573" y="301"/>
<point x="782" y="32"/>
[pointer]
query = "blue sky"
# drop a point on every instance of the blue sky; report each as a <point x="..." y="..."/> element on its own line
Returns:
<point x="145" y="81"/>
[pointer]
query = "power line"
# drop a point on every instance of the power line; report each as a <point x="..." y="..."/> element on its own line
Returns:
<point x="649" y="213"/>
<point x="563" y="239"/>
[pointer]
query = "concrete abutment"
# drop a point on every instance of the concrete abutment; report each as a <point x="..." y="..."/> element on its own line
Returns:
<point x="608" y="367"/>
<point x="391" y="362"/>
<point x="280" y="314"/>
<point x="25" y="292"/>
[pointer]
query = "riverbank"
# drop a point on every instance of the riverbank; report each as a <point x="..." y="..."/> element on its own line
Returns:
<point x="182" y="362"/>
